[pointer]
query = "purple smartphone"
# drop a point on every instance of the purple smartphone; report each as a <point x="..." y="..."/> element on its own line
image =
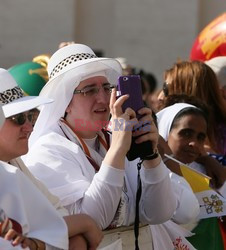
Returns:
<point x="132" y="85"/>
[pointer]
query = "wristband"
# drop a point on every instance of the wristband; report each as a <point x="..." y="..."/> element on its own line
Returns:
<point x="38" y="244"/>
<point x="152" y="156"/>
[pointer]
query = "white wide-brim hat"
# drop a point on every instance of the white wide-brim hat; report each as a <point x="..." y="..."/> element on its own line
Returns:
<point x="24" y="104"/>
<point x="78" y="61"/>
<point x="12" y="98"/>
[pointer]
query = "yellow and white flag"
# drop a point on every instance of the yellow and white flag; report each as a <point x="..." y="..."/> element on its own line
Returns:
<point x="212" y="204"/>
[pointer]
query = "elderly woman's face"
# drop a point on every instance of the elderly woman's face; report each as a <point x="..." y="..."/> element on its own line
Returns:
<point x="89" y="107"/>
<point x="187" y="138"/>
<point x="14" y="139"/>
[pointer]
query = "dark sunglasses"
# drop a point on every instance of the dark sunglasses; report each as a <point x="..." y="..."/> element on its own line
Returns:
<point x="165" y="89"/>
<point x="21" y="118"/>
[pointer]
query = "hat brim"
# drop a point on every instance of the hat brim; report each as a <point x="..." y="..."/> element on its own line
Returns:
<point x="82" y="68"/>
<point x="107" y="63"/>
<point x="24" y="104"/>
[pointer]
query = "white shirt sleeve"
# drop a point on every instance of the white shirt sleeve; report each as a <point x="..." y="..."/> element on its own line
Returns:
<point x="72" y="178"/>
<point x="158" y="200"/>
<point x="188" y="206"/>
<point x="102" y="197"/>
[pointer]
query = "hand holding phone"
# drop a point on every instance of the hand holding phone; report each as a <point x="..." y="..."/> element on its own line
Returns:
<point x="132" y="85"/>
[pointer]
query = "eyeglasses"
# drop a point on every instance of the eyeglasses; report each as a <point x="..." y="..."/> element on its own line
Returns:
<point x="94" y="90"/>
<point x="21" y="118"/>
<point x="165" y="89"/>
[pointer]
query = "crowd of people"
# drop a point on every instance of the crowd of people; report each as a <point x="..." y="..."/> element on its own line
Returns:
<point x="66" y="182"/>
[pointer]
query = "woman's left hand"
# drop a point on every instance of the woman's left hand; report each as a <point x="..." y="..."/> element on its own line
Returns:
<point x="213" y="169"/>
<point x="147" y="132"/>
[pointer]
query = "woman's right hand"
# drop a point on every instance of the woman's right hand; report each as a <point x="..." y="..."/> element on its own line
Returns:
<point x="93" y="235"/>
<point x="80" y="227"/>
<point x="122" y="125"/>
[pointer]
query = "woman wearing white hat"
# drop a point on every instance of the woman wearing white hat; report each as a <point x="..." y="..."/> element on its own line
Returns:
<point x="8" y="226"/>
<point x="184" y="127"/>
<point x="76" y="161"/>
<point x="19" y="196"/>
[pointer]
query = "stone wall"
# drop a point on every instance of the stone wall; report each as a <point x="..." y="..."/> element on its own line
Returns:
<point x="151" y="34"/>
<point x="29" y="28"/>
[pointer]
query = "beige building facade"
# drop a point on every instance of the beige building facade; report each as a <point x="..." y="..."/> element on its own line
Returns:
<point x="151" y="34"/>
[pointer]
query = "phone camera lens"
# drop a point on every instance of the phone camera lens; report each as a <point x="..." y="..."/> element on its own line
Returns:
<point x="125" y="78"/>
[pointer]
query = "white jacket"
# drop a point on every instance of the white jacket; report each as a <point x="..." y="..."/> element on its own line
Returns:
<point x="23" y="202"/>
<point x="63" y="167"/>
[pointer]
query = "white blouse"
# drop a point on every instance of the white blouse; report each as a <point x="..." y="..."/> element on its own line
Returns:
<point x="65" y="170"/>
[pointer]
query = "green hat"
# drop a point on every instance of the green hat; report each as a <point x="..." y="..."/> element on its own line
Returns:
<point x="30" y="76"/>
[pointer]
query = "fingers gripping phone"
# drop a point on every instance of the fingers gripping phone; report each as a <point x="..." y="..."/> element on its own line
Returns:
<point x="132" y="85"/>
